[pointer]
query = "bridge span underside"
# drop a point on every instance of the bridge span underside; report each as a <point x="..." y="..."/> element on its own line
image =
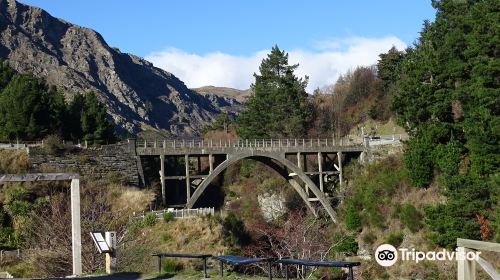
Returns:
<point x="289" y="158"/>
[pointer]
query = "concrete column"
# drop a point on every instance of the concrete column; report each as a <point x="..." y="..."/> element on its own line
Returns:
<point x="299" y="163"/>
<point x="188" y="182"/>
<point x="162" y="180"/>
<point x="211" y="163"/>
<point x="339" y="157"/>
<point x="76" y="235"/>
<point x="320" y="170"/>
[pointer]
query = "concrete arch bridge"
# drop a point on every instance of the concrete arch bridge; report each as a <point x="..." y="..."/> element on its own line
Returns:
<point x="291" y="158"/>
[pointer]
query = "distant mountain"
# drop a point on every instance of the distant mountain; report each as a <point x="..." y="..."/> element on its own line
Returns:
<point x="77" y="59"/>
<point x="239" y="95"/>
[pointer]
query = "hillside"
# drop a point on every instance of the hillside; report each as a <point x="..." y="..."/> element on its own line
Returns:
<point x="238" y="94"/>
<point x="78" y="59"/>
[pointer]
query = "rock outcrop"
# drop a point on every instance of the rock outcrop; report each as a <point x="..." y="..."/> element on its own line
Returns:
<point x="77" y="59"/>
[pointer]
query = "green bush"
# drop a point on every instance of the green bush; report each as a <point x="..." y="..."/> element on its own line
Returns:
<point x="168" y="217"/>
<point x="410" y="217"/>
<point x="345" y="244"/>
<point x="170" y="266"/>
<point x="353" y="219"/>
<point x="150" y="219"/>
<point x="395" y="238"/>
<point x="234" y="228"/>
<point x="419" y="162"/>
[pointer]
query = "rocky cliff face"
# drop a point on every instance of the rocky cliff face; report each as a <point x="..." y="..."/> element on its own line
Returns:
<point x="77" y="59"/>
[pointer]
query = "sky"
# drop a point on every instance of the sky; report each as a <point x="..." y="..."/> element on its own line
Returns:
<point x="222" y="42"/>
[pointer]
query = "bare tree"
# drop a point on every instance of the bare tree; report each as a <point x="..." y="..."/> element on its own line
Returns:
<point x="300" y="237"/>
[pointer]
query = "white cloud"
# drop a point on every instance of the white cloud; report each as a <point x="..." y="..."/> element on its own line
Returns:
<point x="332" y="58"/>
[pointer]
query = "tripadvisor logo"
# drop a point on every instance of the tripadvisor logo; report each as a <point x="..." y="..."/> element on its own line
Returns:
<point x="387" y="255"/>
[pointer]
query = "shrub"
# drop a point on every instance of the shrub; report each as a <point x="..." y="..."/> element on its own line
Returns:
<point x="352" y="219"/>
<point x="395" y="238"/>
<point x="170" y="266"/>
<point x="419" y="162"/>
<point x="52" y="144"/>
<point x="345" y="244"/>
<point x="168" y="217"/>
<point x="410" y="217"/>
<point x="369" y="237"/>
<point x="149" y="219"/>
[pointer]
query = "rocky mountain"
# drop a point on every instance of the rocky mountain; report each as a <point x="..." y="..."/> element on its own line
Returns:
<point x="240" y="95"/>
<point x="77" y="59"/>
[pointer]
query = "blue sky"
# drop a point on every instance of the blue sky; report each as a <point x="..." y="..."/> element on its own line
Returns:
<point x="211" y="38"/>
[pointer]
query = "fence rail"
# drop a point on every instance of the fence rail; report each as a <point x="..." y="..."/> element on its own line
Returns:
<point x="249" y="143"/>
<point x="179" y="213"/>
<point x="466" y="269"/>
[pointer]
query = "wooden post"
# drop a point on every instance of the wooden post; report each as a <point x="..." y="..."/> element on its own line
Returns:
<point x="76" y="235"/>
<point x="110" y="237"/>
<point x="466" y="269"/>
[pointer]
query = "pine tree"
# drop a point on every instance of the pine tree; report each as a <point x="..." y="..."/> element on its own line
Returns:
<point x="279" y="105"/>
<point x="449" y="102"/>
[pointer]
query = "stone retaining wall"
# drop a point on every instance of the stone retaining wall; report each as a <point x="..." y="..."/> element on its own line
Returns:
<point x="118" y="160"/>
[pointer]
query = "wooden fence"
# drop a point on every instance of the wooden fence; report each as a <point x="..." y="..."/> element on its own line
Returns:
<point x="179" y="213"/>
<point x="466" y="269"/>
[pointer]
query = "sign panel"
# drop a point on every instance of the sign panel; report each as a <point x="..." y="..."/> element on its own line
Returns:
<point x="100" y="242"/>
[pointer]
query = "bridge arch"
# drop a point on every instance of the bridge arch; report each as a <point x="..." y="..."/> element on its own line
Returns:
<point x="263" y="157"/>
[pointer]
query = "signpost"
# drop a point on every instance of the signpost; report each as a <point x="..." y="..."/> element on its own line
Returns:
<point x="106" y="244"/>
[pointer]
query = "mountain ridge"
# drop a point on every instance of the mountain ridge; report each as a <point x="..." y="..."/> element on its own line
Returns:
<point x="76" y="59"/>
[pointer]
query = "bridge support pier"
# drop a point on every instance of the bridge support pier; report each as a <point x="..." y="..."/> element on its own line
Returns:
<point x="320" y="170"/>
<point x="211" y="163"/>
<point x="162" y="179"/>
<point x="188" y="182"/>
<point x="339" y="156"/>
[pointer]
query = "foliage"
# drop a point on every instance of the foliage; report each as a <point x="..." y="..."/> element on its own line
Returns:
<point x="448" y="101"/>
<point x="168" y="217"/>
<point x="279" y="105"/>
<point x="31" y="110"/>
<point x="395" y="239"/>
<point x="149" y="219"/>
<point x="169" y="265"/>
<point x="235" y="230"/>
<point x="372" y="193"/>
<point x="221" y="122"/>
<point x="345" y="244"/>
<point x="352" y="219"/>
<point x="389" y="74"/>
<point x="410" y="217"/>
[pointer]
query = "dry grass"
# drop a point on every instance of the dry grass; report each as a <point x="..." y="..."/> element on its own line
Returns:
<point x="190" y="235"/>
<point x="13" y="161"/>
<point x="128" y="200"/>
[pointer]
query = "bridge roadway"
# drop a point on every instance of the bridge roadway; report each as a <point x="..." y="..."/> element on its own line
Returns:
<point x="288" y="157"/>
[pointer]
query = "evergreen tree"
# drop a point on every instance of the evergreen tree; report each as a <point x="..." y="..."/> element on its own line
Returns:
<point x="95" y="127"/>
<point x="279" y="105"/>
<point x="449" y="102"/>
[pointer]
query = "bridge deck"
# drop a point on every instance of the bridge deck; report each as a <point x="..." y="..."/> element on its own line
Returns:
<point x="203" y="147"/>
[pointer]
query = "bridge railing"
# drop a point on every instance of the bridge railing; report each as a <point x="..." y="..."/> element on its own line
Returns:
<point x="249" y="143"/>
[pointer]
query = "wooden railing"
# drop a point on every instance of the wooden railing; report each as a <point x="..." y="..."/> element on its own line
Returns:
<point x="466" y="269"/>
